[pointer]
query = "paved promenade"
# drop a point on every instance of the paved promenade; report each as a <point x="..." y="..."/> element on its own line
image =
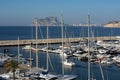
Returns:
<point x="44" y="41"/>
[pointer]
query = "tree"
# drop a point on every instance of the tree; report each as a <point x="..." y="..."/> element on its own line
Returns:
<point x="12" y="65"/>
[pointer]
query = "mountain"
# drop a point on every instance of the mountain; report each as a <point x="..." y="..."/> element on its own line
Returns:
<point x="50" y="21"/>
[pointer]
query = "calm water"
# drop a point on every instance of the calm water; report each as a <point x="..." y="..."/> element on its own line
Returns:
<point x="110" y="72"/>
<point x="28" y="32"/>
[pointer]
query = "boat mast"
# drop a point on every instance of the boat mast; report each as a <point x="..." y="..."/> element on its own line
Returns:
<point x="47" y="44"/>
<point x="62" y="25"/>
<point x="88" y="47"/>
<point x="18" y="51"/>
<point x="36" y="22"/>
<point x="31" y="47"/>
<point x="30" y="56"/>
<point x="101" y="72"/>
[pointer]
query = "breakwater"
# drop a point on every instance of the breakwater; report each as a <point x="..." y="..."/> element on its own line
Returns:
<point x="44" y="41"/>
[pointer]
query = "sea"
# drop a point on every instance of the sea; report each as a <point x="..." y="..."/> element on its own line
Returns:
<point x="28" y="32"/>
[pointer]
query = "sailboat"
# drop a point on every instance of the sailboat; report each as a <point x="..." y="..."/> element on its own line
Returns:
<point x="89" y="55"/>
<point x="49" y="76"/>
<point x="43" y="74"/>
<point x="63" y="76"/>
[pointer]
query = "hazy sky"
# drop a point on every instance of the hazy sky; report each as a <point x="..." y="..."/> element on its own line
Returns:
<point x="23" y="12"/>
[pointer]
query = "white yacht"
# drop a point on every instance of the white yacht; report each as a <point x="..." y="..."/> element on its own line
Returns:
<point x="67" y="77"/>
<point x="4" y="77"/>
<point x="68" y="63"/>
<point x="28" y="47"/>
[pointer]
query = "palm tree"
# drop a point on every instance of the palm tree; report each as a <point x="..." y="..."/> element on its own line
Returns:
<point x="12" y="65"/>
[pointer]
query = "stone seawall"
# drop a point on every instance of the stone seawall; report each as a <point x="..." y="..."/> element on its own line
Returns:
<point x="44" y="41"/>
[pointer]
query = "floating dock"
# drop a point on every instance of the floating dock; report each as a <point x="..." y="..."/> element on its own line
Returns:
<point x="44" y="41"/>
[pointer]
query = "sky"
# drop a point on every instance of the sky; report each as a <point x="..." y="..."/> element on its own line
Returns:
<point x="23" y="12"/>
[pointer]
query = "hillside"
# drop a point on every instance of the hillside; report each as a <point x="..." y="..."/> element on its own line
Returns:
<point x="112" y="24"/>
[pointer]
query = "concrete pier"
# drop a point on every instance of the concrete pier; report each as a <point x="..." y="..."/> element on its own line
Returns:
<point x="44" y="41"/>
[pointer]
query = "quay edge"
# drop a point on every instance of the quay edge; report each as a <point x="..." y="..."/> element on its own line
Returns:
<point x="44" y="41"/>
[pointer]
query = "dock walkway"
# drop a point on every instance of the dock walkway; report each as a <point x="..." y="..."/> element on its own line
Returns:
<point x="44" y="41"/>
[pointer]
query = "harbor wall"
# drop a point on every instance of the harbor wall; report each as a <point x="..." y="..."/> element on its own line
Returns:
<point x="44" y="41"/>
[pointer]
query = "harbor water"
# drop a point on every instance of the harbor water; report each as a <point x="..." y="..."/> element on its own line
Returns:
<point x="28" y="32"/>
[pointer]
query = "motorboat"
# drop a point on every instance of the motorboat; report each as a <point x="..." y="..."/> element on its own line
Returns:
<point x="4" y="77"/>
<point x="27" y="47"/>
<point x="67" y="77"/>
<point x="68" y="63"/>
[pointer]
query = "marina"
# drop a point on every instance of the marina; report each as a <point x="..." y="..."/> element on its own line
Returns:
<point x="59" y="40"/>
<point x="110" y="67"/>
<point x="61" y="58"/>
